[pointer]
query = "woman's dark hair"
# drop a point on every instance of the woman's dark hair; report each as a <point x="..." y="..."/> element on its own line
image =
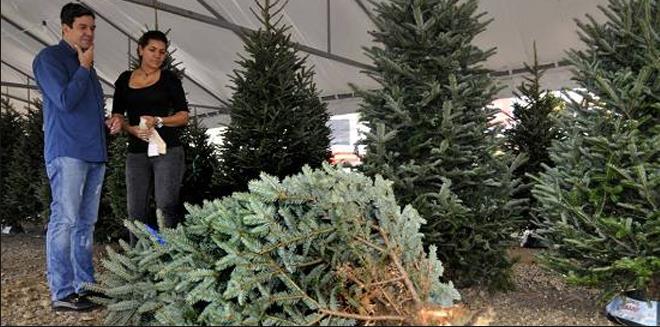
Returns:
<point x="71" y="11"/>
<point x="151" y="35"/>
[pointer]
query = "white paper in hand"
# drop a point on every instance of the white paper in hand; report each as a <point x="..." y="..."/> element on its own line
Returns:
<point x="156" y="144"/>
<point x="152" y="149"/>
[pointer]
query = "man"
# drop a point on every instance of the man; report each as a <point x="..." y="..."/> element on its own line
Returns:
<point x="75" y="154"/>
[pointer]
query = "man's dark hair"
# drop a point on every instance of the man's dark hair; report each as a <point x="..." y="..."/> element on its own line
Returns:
<point x="71" y="11"/>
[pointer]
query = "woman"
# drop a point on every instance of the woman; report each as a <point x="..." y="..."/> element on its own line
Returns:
<point x="155" y="96"/>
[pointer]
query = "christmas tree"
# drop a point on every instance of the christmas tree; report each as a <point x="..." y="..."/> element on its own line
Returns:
<point x="199" y="180"/>
<point x="600" y="201"/>
<point x="113" y="202"/>
<point x="278" y="123"/>
<point x="322" y="247"/>
<point x="11" y="131"/>
<point x="28" y="195"/>
<point x="533" y="131"/>
<point x="431" y="133"/>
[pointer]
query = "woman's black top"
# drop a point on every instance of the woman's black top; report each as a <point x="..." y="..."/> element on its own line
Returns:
<point x="163" y="98"/>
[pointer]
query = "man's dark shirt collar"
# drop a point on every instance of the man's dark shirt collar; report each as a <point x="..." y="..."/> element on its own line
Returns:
<point x="65" y="45"/>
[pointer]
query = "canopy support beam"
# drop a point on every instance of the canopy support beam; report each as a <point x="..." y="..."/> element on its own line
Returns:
<point x="38" y="39"/>
<point x="366" y="11"/>
<point x="18" y="70"/>
<point x="13" y="97"/>
<point x="220" y="110"/>
<point x="241" y="30"/>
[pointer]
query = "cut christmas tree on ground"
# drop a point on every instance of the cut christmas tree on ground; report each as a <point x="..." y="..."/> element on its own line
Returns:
<point x="540" y="297"/>
<point x="322" y="246"/>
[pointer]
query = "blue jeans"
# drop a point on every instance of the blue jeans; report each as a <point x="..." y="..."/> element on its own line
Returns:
<point x="76" y="191"/>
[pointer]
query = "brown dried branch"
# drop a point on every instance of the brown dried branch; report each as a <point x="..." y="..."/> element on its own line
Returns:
<point x="389" y="300"/>
<point x="399" y="266"/>
<point x="362" y="317"/>
<point x="361" y="240"/>
<point x="396" y="279"/>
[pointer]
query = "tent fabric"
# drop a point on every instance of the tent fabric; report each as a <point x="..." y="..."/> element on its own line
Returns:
<point x="340" y="27"/>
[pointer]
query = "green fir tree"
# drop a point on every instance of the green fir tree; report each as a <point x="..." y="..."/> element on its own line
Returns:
<point x="11" y="131"/>
<point x="431" y="133"/>
<point x="600" y="201"/>
<point x="113" y="210"/>
<point x="534" y="129"/>
<point x="28" y="195"/>
<point x="278" y="122"/>
<point x="200" y="180"/>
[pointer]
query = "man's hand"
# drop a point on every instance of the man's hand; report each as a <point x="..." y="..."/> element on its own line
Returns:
<point x="86" y="58"/>
<point x="114" y="123"/>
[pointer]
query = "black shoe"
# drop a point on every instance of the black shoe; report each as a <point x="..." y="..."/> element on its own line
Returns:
<point x="73" y="302"/>
<point x="93" y="294"/>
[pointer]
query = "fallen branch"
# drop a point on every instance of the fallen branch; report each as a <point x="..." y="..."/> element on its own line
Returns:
<point x="399" y="266"/>
<point x="361" y="317"/>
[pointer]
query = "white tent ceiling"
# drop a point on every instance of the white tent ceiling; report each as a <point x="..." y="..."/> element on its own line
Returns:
<point x="205" y="34"/>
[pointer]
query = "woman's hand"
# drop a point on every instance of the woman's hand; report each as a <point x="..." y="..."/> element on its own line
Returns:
<point x="177" y="120"/>
<point x="149" y="120"/>
<point x="142" y="133"/>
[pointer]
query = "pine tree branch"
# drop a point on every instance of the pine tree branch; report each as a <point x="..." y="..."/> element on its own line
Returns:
<point x="361" y="240"/>
<point x="366" y="287"/>
<point x="399" y="266"/>
<point x="586" y="220"/>
<point x="317" y="320"/>
<point x="352" y="277"/>
<point x="361" y="317"/>
<point x="311" y="263"/>
<point x="389" y="299"/>
<point x="284" y="275"/>
<point x="295" y="239"/>
<point x="386" y="281"/>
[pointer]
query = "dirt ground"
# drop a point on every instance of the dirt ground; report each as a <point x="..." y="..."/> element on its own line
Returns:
<point x="541" y="298"/>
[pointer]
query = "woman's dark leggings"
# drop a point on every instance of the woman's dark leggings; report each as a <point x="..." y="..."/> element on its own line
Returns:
<point x="167" y="173"/>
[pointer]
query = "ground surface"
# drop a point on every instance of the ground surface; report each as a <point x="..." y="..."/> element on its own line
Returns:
<point x="541" y="298"/>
